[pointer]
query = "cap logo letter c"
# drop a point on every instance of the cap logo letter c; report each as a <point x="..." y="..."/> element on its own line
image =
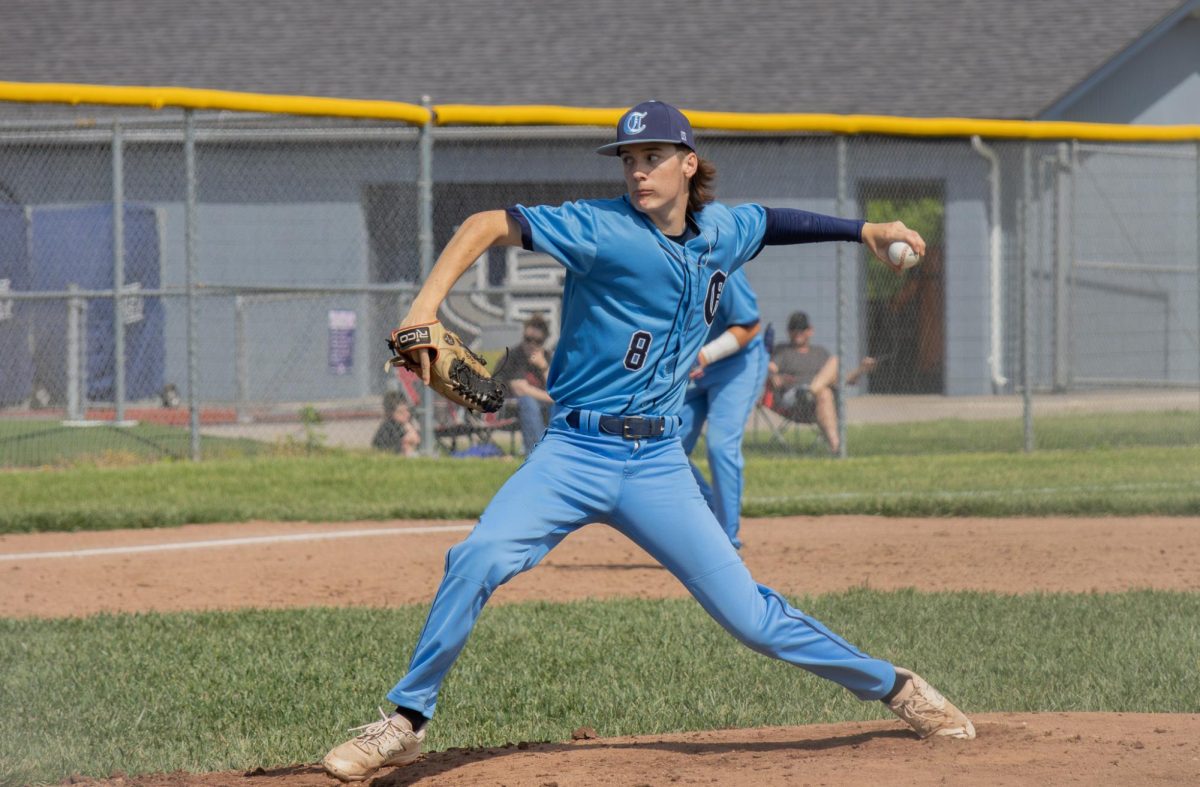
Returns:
<point x="634" y="124"/>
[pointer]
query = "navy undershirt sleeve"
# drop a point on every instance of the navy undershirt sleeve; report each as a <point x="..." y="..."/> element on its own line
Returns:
<point x="788" y="225"/>
<point x="526" y="232"/>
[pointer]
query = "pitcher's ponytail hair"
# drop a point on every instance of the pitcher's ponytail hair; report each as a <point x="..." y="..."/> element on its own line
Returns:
<point x="701" y="188"/>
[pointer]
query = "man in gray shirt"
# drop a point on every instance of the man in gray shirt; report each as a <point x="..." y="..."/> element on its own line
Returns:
<point x="803" y="377"/>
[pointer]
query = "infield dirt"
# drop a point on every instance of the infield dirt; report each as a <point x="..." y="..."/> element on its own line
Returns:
<point x="794" y="555"/>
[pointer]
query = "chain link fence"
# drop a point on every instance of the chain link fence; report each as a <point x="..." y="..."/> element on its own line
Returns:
<point x="266" y="258"/>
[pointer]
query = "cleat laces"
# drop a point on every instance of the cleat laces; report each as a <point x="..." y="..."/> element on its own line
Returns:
<point x="381" y="736"/>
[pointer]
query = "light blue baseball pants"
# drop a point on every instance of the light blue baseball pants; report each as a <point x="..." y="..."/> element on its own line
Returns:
<point x="724" y="396"/>
<point x="644" y="489"/>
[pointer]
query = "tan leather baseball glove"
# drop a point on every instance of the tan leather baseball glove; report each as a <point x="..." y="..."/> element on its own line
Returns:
<point x="454" y="371"/>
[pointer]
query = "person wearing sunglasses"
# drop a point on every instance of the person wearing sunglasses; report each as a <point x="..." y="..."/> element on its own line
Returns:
<point x="525" y="375"/>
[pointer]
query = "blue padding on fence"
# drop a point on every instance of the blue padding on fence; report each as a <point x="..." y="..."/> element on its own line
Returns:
<point x="74" y="245"/>
<point x="16" y="360"/>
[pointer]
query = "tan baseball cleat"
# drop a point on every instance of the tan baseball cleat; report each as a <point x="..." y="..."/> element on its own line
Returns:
<point x="924" y="709"/>
<point x="381" y="744"/>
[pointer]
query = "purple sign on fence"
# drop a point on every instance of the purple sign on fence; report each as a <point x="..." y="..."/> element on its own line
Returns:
<point x="341" y="341"/>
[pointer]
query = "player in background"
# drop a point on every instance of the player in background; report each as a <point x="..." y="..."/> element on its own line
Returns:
<point x="731" y="369"/>
<point x="640" y="269"/>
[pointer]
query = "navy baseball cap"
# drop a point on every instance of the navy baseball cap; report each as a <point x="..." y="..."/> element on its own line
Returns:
<point x="651" y="121"/>
<point x="798" y="322"/>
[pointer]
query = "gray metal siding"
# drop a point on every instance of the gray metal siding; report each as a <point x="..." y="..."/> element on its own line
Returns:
<point x="1158" y="86"/>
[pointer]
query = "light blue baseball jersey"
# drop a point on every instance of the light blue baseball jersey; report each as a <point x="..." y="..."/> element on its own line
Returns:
<point x="647" y="301"/>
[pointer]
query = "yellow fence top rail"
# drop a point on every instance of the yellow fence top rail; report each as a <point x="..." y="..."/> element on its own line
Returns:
<point x="194" y="98"/>
<point x="539" y="115"/>
<point x="463" y="114"/>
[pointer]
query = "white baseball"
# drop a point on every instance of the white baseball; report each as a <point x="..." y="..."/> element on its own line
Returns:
<point x="900" y="253"/>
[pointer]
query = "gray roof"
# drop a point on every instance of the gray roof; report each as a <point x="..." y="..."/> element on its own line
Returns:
<point x="969" y="58"/>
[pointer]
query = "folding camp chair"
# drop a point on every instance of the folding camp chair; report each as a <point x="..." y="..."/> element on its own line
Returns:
<point x="787" y="420"/>
<point x="455" y="425"/>
<point x="475" y="429"/>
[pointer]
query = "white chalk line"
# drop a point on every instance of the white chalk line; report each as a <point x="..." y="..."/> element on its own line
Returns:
<point x="235" y="542"/>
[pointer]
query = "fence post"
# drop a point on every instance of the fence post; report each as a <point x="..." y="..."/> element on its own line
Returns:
<point x="118" y="200"/>
<point x="189" y="235"/>
<point x="240" y="366"/>
<point x="1026" y="294"/>
<point x="74" y="321"/>
<point x="1062" y="262"/>
<point x="425" y="240"/>
<point x="843" y="309"/>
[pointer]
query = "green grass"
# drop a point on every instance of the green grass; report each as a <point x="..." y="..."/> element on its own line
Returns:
<point x="29" y="443"/>
<point x="325" y="487"/>
<point x="953" y="436"/>
<point x="1099" y="482"/>
<point x="218" y="691"/>
<point x="352" y="486"/>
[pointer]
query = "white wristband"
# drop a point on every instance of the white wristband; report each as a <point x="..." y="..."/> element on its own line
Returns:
<point x="723" y="346"/>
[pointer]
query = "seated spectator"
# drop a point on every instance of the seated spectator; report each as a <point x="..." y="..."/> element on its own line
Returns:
<point x="397" y="433"/>
<point x="803" y="377"/>
<point x="525" y="374"/>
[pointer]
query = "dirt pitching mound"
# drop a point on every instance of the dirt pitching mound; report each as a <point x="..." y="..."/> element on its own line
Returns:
<point x="1041" y="749"/>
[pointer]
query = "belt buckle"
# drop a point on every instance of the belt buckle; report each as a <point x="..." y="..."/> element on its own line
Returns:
<point x="625" y="424"/>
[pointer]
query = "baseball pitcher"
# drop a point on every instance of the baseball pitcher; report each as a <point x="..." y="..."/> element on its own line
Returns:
<point x="644" y="275"/>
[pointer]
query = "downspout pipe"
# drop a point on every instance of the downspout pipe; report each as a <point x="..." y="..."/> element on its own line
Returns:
<point x="996" y="357"/>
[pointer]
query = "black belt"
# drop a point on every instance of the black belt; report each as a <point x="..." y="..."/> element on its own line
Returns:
<point x="631" y="427"/>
